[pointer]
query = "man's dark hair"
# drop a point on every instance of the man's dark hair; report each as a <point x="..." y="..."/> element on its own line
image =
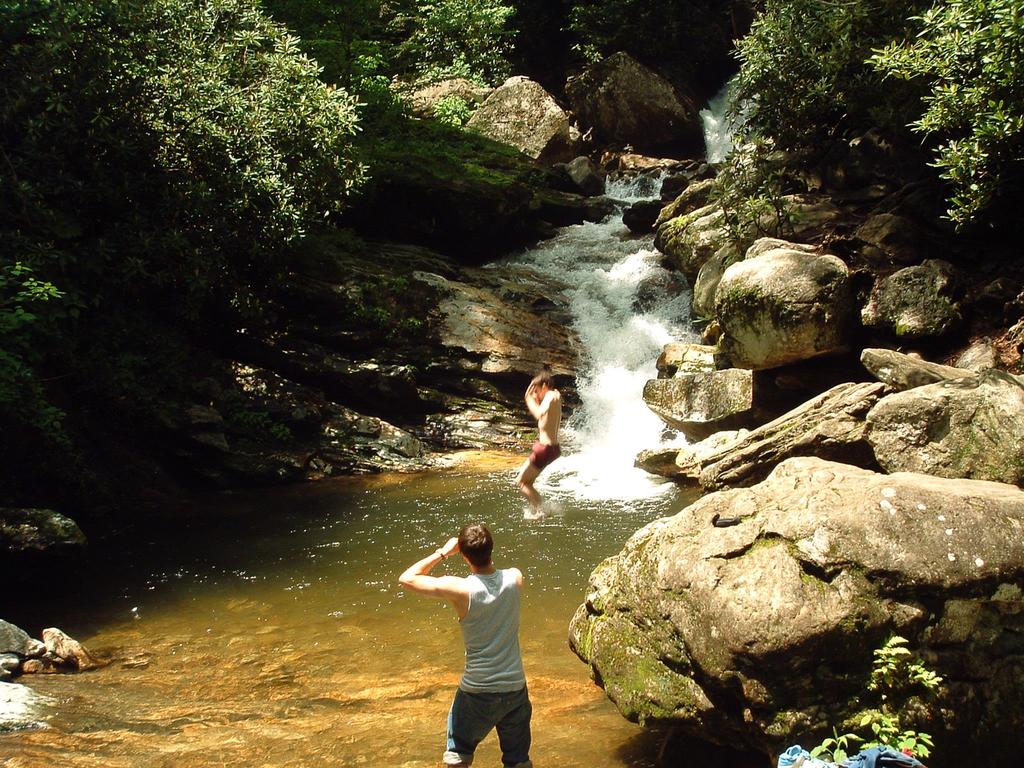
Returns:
<point x="543" y="379"/>
<point x="476" y="543"/>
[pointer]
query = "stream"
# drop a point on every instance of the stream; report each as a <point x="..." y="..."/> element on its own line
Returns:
<point x="267" y="628"/>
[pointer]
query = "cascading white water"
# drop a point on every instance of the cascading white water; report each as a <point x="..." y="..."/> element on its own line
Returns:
<point x="626" y="307"/>
<point x="721" y="122"/>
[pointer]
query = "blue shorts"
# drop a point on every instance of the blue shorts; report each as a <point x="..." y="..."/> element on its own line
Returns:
<point x="472" y="717"/>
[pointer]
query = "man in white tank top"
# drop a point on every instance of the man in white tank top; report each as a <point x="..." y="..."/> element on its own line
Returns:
<point x="492" y="692"/>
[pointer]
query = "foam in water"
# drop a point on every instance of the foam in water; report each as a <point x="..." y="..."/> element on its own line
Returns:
<point x="626" y="307"/>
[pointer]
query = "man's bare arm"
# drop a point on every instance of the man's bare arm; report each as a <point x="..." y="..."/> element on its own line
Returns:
<point x="418" y="579"/>
<point x="538" y="409"/>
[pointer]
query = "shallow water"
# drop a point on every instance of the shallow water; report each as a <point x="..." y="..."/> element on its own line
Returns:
<point x="268" y="628"/>
<point x="273" y="632"/>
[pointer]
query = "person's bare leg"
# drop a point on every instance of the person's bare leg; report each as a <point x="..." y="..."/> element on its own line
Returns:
<point x="527" y="474"/>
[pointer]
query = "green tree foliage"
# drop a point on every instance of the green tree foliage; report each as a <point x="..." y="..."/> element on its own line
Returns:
<point x="457" y="38"/>
<point x="157" y="158"/>
<point x="970" y="55"/>
<point x="805" y="71"/>
<point x="683" y="35"/>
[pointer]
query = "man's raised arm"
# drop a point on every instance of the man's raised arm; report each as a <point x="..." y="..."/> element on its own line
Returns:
<point x="417" y="576"/>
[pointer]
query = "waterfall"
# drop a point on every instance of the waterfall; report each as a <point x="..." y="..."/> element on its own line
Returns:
<point x="625" y="308"/>
<point x="721" y="122"/>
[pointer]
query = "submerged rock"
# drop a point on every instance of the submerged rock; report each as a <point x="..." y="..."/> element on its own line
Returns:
<point x="760" y="635"/>
<point x="21" y="708"/>
<point x="23" y="530"/>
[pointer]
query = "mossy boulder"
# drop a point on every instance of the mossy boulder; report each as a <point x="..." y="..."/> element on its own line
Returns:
<point x="783" y="307"/>
<point x="966" y="427"/>
<point x="760" y="635"/>
<point x="919" y="302"/>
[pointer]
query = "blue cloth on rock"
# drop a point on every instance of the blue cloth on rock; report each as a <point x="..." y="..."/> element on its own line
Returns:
<point x="882" y="757"/>
<point x="797" y="755"/>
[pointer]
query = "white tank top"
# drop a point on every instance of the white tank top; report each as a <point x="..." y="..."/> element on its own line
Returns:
<point x="490" y="631"/>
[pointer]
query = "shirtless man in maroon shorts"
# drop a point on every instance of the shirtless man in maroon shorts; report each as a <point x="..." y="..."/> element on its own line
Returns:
<point x="545" y="404"/>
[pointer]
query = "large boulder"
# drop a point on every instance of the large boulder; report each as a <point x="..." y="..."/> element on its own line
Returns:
<point x="489" y="317"/>
<point x="832" y="425"/>
<point x="967" y="427"/>
<point x="698" y="404"/>
<point x="522" y="114"/>
<point x="760" y="635"/>
<point x="626" y="103"/>
<point x="782" y="307"/>
<point x="917" y="302"/>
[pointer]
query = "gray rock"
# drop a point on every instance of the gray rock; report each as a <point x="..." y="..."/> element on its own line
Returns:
<point x="641" y="215"/>
<point x="21" y="707"/>
<point x="783" y="307"/>
<point x="979" y="356"/>
<point x="698" y="404"/>
<point x="708" y="278"/>
<point x="903" y="372"/>
<point x="831" y="425"/>
<point x="689" y="460"/>
<point x="585" y="176"/>
<point x="969" y="427"/>
<point x="23" y="530"/>
<point x="916" y="302"/>
<point x="673" y="185"/>
<point x="13" y="639"/>
<point x="679" y="357"/>
<point x="689" y="241"/>
<point x="688" y="200"/>
<point x="760" y="635"/>
<point x="523" y="115"/>
<point x="624" y="102"/>
<point x="661" y="461"/>
<point x="891" y="237"/>
<point x="9" y="662"/>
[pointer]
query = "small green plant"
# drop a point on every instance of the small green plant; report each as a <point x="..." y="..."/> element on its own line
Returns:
<point x="896" y="676"/>
<point x="751" y="189"/>
<point x="836" y="748"/>
<point x="452" y="110"/>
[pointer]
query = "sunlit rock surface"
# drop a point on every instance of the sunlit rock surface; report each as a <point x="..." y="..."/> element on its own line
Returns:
<point x="967" y="427"/>
<point x="522" y="114"/>
<point x="760" y="635"/>
<point x="784" y="306"/>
